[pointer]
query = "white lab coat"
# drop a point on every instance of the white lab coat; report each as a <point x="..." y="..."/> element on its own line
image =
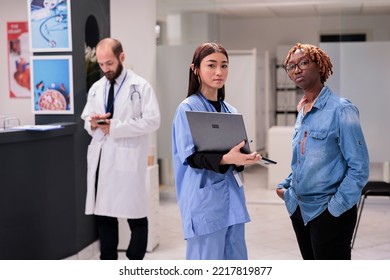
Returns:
<point x="123" y="152"/>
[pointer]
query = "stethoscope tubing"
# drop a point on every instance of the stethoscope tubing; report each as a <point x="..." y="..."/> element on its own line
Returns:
<point x="43" y="24"/>
<point x="135" y="91"/>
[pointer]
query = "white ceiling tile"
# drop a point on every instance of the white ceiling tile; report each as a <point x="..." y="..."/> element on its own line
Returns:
<point x="270" y="8"/>
<point x="243" y="12"/>
<point x="376" y="8"/>
<point x="294" y="10"/>
<point x="339" y="8"/>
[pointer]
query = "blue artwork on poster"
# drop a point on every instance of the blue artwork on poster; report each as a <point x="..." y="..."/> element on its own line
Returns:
<point x="50" y="25"/>
<point x="52" y="84"/>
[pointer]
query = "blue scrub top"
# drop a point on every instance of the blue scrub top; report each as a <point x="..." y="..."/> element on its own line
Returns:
<point x="208" y="201"/>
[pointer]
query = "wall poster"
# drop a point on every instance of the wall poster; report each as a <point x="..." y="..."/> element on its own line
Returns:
<point x="18" y="59"/>
<point x="50" y="25"/>
<point x="52" y="84"/>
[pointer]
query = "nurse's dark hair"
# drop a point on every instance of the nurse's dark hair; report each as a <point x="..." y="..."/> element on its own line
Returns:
<point x="115" y="45"/>
<point x="200" y="53"/>
<point x="316" y="55"/>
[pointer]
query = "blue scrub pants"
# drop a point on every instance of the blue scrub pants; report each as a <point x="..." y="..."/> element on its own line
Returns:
<point x="226" y="244"/>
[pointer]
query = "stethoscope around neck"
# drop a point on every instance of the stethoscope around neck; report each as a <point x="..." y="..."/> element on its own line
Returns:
<point x="136" y="92"/>
<point x="135" y="99"/>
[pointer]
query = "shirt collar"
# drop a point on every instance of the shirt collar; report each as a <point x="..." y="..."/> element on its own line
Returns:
<point x="319" y="102"/>
<point x="121" y="77"/>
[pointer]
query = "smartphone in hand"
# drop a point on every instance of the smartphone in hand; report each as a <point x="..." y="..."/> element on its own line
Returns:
<point x="101" y="121"/>
<point x="267" y="161"/>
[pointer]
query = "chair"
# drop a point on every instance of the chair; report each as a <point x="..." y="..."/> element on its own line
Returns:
<point x="372" y="188"/>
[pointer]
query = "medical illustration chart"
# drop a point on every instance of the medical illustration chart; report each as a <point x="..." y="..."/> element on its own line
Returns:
<point x="52" y="89"/>
<point x="50" y="25"/>
<point x="18" y="59"/>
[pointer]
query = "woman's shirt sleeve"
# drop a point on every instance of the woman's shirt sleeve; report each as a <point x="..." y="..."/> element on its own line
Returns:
<point x="210" y="161"/>
<point x="355" y="153"/>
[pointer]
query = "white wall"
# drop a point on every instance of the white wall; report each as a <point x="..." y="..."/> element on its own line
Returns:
<point x="133" y="23"/>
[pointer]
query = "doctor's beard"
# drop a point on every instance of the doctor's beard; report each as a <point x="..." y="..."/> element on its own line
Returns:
<point x="110" y="75"/>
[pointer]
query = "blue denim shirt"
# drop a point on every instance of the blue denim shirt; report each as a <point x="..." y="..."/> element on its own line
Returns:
<point x="330" y="162"/>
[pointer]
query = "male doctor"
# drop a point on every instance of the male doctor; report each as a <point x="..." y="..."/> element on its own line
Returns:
<point x="120" y="113"/>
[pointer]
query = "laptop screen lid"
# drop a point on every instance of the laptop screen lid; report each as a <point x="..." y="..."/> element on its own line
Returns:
<point x="217" y="132"/>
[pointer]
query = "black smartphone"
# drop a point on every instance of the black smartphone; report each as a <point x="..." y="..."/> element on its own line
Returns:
<point x="102" y="121"/>
<point x="267" y="161"/>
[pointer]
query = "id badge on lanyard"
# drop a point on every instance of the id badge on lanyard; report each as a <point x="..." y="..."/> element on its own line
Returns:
<point x="237" y="176"/>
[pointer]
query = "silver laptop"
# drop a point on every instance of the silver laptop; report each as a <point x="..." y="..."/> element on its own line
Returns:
<point x="217" y="132"/>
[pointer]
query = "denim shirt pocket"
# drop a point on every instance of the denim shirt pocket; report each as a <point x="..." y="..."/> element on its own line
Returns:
<point x="317" y="145"/>
<point x="320" y="134"/>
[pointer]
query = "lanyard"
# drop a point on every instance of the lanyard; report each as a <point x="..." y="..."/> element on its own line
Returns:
<point x="204" y="100"/>
<point x="115" y="95"/>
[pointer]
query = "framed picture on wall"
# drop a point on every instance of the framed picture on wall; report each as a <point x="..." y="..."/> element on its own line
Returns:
<point x="50" y="25"/>
<point x="18" y="59"/>
<point x="52" y="84"/>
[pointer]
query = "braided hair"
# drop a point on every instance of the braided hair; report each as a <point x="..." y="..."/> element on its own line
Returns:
<point x="317" y="56"/>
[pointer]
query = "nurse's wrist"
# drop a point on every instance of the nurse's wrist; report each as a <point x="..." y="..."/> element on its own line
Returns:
<point x="225" y="159"/>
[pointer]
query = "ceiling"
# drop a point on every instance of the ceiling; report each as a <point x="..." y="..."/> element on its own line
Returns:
<point x="273" y="8"/>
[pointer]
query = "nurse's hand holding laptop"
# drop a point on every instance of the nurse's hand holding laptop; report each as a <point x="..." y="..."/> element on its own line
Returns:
<point x="235" y="156"/>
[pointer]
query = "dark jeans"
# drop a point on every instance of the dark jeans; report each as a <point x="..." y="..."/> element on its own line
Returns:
<point x="109" y="238"/>
<point x="325" y="237"/>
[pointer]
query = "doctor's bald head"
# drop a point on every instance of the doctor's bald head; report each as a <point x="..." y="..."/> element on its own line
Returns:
<point x="111" y="43"/>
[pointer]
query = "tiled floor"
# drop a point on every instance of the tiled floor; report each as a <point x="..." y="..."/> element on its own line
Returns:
<point x="269" y="235"/>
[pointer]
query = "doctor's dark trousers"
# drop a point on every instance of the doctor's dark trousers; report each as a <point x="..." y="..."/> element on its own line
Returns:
<point x="325" y="237"/>
<point x="108" y="231"/>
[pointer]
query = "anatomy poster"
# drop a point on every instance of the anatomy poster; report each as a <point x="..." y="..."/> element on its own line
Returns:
<point x="50" y="25"/>
<point x="52" y="84"/>
<point x="18" y="59"/>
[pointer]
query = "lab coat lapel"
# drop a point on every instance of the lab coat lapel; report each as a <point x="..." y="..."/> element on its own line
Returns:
<point x="123" y="99"/>
<point x="99" y="99"/>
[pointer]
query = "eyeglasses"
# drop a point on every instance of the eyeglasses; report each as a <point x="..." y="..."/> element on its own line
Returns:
<point x="302" y="65"/>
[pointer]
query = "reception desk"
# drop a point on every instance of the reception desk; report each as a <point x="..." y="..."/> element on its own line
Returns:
<point x="42" y="193"/>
